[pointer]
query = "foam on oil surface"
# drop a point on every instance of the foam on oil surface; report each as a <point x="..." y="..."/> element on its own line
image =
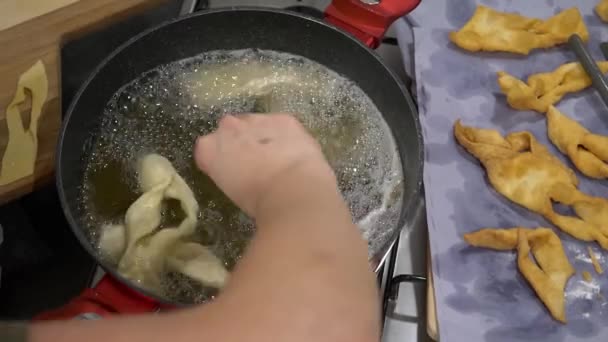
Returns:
<point x="164" y="110"/>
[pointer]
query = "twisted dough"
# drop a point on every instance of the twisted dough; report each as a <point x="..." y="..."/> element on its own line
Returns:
<point x="143" y="250"/>
<point x="587" y="151"/>
<point x="549" y="280"/>
<point x="490" y="30"/>
<point x="545" y="89"/>
<point x="19" y="159"/>
<point x="523" y="170"/>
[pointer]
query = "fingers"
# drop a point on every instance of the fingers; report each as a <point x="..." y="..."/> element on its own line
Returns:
<point x="254" y="118"/>
<point x="264" y="128"/>
<point x="230" y="125"/>
<point x="249" y="117"/>
<point x="206" y="147"/>
<point x="205" y="150"/>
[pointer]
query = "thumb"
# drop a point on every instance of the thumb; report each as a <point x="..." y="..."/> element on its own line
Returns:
<point x="205" y="149"/>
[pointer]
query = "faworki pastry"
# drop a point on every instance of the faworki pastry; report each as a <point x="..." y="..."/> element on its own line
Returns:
<point x="491" y="30"/>
<point x="545" y="89"/>
<point x="525" y="172"/>
<point x="587" y="151"/>
<point x="549" y="277"/>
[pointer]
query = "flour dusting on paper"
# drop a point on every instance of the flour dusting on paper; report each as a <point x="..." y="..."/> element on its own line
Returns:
<point x="478" y="298"/>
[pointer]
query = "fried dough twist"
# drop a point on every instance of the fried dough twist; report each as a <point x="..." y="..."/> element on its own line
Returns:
<point x="525" y="172"/>
<point x="491" y="30"/>
<point x="545" y="89"/>
<point x="549" y="277"/>
<point x="588" y="151"/>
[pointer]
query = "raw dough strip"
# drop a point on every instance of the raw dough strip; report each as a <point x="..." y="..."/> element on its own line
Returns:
<point x="491" y="30"/>
<point x="525" y="172"/>
<point x="19" y="158"/>
<point x="199" y="263"/>
<point x="549" y="277"/>
<point x="144" y="254"/>
<point x="142" y="250"/>
<point x="545" y="89"/>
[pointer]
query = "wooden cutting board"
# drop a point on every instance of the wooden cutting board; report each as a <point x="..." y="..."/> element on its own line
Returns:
<point x="31" y="35"/>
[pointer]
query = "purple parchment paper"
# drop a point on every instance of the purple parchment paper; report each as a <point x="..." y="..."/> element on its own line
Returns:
<point x="480" y="294"/>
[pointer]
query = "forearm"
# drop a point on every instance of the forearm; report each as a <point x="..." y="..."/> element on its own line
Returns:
<point x="306" y="273"/>
<point x="304" y="277"/>
<point x="179" y="326"/>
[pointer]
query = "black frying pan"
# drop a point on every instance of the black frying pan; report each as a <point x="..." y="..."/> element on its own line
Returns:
<point x="231" y="29"/>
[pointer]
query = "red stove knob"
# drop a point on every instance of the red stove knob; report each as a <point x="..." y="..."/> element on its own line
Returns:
<point x="367" y="20"/>
<point x="109" y="297"/>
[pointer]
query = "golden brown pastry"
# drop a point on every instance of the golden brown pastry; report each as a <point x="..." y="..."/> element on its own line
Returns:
<point x="587" y="151"/>
<point x="587" y="276"/>
<point x="525" y="172"/>
<point x="549" y="277"/>
<point x="545" y="89"/>
<point x="490" y="30"/>
<point x="602" y="10"/>
<point x="594" y="262"/>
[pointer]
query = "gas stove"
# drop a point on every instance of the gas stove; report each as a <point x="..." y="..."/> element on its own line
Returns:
<point x="43" y="266"/>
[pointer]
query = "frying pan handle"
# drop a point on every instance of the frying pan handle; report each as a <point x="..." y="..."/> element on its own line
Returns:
<point x="107" y="298"/>
<point x="367" y="20"/>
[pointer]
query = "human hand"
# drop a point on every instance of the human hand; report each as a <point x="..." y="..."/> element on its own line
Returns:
<point x="250" y="155"/>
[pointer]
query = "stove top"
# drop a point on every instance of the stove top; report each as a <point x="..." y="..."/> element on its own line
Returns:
<point x="43" y="265"/>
